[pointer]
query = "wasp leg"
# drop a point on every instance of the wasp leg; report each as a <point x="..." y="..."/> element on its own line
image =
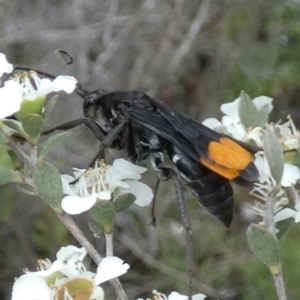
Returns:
<point x="90" y="123"/>
<point x="107" y="141"/>
<point x="158" y="163"/>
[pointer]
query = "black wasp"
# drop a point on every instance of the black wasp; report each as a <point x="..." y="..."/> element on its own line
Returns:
<point x="206" y="161"/>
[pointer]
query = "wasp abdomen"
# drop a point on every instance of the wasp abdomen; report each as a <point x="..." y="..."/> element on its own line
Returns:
<point x="213" y="191"/>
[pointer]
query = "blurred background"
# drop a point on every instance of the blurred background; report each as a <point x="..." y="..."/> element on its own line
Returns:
<point x="193" y="55"/>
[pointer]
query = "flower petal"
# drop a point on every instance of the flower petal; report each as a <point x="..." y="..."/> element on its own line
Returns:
<point x="291" y="175"/>
<point x="71" y="252"/>
<point x="30" y="287"/>
<point x="284" y="214"/>
<point x="231" y="109"/>
<point x="55" y="267"/>
<point x="10" y="98"/>
<point x="123" y="164"/>
<point x="64" y="83"/>
<point x="5" y="66"/>
<point x="98" y="293"/>
<point x="141" y="191"/>
<point x="177" y="296"/>
<point x="262" y="101"/>
<point x="104" y="195"/>
<point x="67" y="189"/>
<point x="74" y="205"/>
<point x="110" y="267"/>
<point x="212" y="123"/>
<point x="234" y="127"/>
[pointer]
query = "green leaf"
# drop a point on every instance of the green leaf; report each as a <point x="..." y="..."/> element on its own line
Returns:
<point x="33" y="125"/>
<point x="248" y="112"/>
<point x="49" y="106"/>
<point x="123" y="202"/>
<point x="17" y="126"/>
<point x="104" y="214"/>
<point x="14" y="159"/>
<point x="274" y="155"/>
<point x="8" y="176"/>
<point x="5" y="159"/>
<point x="3" y="135"/>
<point x="264" y="115"/>
<point x="264" y="246"/>
<point x="51" y="142"/>
<point x="48" y="185"/>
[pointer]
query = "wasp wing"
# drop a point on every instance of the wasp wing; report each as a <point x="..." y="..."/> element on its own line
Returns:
<point x="216" y="151"/>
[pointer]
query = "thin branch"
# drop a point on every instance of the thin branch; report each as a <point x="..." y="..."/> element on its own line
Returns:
<point x="279" y="284"/>
<point x="270" y="225"/>
<point x="187" y="43"/>
<point x="270" y="211"/>
<point x="293" y="194"/>
<point x="148" y="259"/>
<point x="109" y="244"/>
<point x="24" y="157"/>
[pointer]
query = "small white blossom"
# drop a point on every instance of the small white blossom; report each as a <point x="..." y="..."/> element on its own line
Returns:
<point x="231" y="122"/>
<point x="5" y="66"/>
<point x="53" y="281"/>
<point x="104" y="183"/>
<point x="44" y="86"/>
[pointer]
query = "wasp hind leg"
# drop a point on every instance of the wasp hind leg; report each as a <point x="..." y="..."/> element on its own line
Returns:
<point x="165" y="173"/>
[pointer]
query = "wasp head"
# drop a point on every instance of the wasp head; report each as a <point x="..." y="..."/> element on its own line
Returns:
<point x="97" y="106"/>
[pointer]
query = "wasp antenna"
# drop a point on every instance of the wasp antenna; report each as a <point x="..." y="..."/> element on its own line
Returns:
<point x="81" y="91"/>
<point x="58" y="53"/>
<point x="59" y="56"/>
<point x="37" y="71"/>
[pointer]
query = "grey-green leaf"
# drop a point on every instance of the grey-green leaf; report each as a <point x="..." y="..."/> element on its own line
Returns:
<point x="33" y="125"/>
<point x="265" y="246"/>
<point x="123" y="202"/>
<point x="8" y="176"/>
<point x="49" y="106"/>
<point x="274" y="154"/>
<point x="51" y="142"/>
<point x="248" y="112"/>
<point x="104" y="214"/>
<point x="17" y="126"/>
<point x="264" y="115"/>
<point x="48" y="185"/>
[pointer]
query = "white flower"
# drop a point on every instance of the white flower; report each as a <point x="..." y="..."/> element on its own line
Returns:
<point x="57" y="280"/>
<point x="20" y="88"/>
<point x="10" y="98"/>
<point x="44" y="86"/>
<point x="231" y="122"/>
<point x="261" y="189"/>
<point x="291" y="174"/>
<point x="104" y="183"/>
<point x="5" y="66"/>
